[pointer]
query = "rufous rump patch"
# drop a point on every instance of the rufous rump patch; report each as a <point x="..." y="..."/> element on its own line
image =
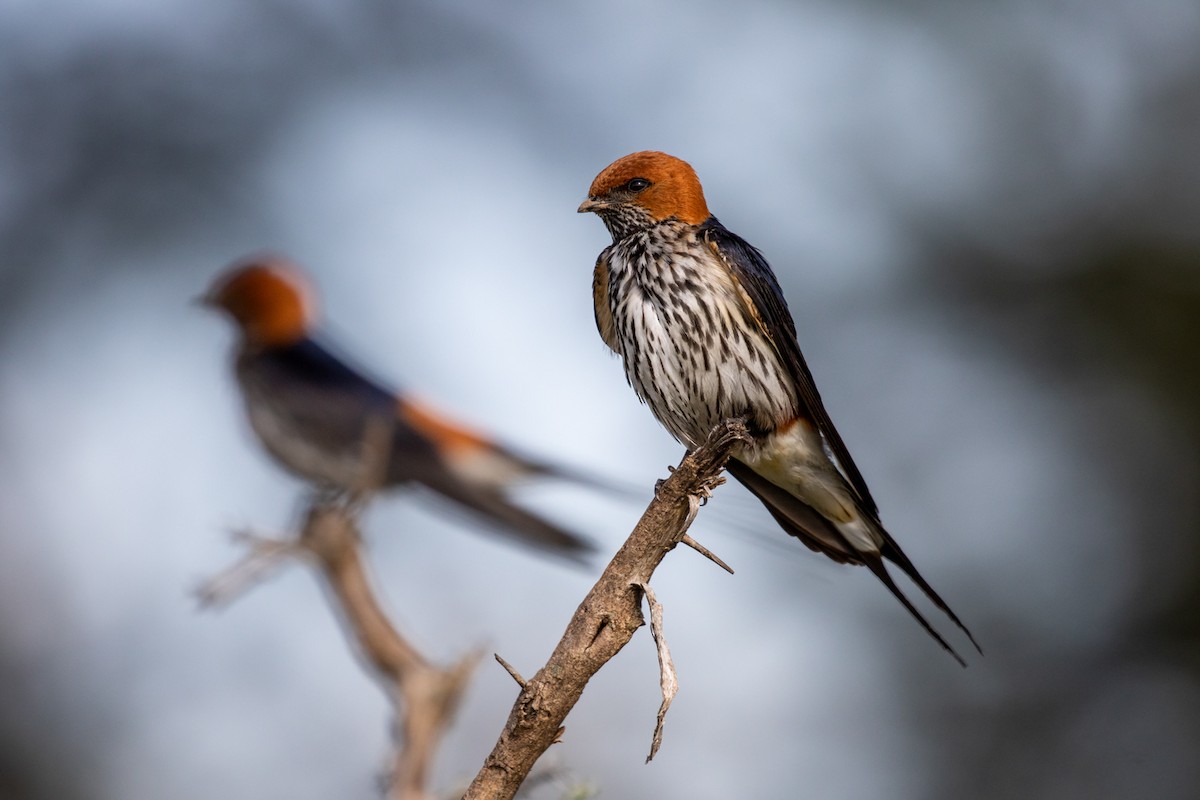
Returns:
<point x="444" y="433"/>
<point x="804" y="422"/>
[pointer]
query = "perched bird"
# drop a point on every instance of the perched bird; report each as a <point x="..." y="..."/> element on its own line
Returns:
<point x="326" y="422"/>
<point x="704" y="332"/>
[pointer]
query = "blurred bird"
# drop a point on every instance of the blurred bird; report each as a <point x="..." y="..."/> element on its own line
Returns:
<point x="705" y="334"/>
<point x="327" y="423"/>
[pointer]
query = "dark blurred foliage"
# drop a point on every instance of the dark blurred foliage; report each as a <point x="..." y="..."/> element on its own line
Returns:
<point x="1120" y="718"/>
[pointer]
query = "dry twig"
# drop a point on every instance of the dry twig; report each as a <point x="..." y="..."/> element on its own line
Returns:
<point x="667" y="678"/>
<point x="604" y="622"/>
<point x="704" y="551"/>
<point x="263" y="556"/>
<point x="511" y="670"/>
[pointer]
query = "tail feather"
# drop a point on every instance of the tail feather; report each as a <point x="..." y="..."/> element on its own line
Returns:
<point x="542" y="469"/>
<point x="818" y="533"/>
<point x="875" y="564"/>
<point x="893" y="553"/>
<point x="505" y="518"/>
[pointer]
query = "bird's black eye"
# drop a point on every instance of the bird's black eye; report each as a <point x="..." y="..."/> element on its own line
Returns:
<point x="637" y="184"/>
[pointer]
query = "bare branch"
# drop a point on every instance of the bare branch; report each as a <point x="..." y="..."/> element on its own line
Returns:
<point x="425" y="696"/>
<point x="605" y="620"/>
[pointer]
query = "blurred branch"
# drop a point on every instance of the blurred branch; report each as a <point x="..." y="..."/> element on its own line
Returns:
<point x="263" y="557"/>
<point x="425" y="696"/>
<point x="604" y="622"/>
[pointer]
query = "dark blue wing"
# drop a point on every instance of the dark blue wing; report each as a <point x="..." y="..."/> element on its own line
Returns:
<point x="316" y="375"/>
<point x="751" y="271"/>
<point x="318" y="396"/>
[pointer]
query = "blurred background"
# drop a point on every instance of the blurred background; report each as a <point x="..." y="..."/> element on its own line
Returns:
<point x="985" y="216"/>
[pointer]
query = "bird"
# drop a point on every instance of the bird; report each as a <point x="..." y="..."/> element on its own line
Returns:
<point x="326" y="422"/>
<point x="705" y="334"/>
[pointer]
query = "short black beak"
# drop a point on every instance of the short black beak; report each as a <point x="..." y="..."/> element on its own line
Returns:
<point x="591" y="204"/>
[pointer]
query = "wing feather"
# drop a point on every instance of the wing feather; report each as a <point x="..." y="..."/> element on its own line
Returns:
<point x="766" y="305"/>
<point x="604" y="317"/>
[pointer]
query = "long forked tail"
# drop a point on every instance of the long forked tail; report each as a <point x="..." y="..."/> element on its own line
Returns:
<point x="875" y="564"/>
<point x="818" y="533"/>
<point x="892" y="552"/>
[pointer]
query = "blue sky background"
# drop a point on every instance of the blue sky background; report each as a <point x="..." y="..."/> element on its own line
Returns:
<point x="984" y="216"/>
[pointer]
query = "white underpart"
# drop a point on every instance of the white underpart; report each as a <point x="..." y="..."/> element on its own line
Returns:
<point x="796" y="460"/>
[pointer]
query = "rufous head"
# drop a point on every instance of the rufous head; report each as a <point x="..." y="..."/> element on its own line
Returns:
<point x="269" y="299"/>
<point x="645" y="188"/>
